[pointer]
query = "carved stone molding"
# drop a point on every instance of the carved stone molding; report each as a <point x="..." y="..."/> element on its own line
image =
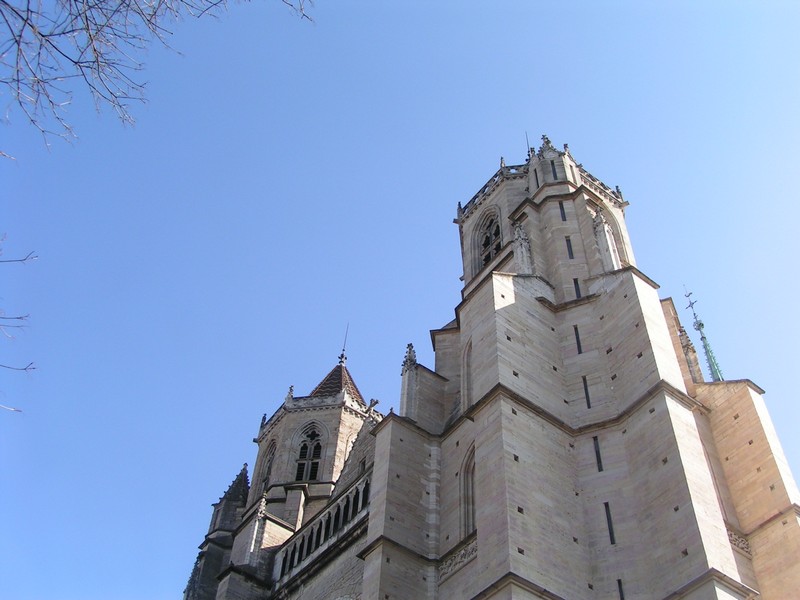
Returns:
<point x="737" y="540"/>
<point x="453" y="562"/>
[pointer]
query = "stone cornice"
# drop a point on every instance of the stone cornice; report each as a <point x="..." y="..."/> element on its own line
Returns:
<point x="501" y="390"/>
<point x="252" y="513"/>
<point x="626" y="269"/>
<point x="382" y="539"/>
<point x="749" y="383"/>
<point x="512" y="578"/>
<point x="712" y="574"/>
<point x="252" y="577"/>
<point x="792" y="508"/>
<point x="406" y="422"/>
<point x="569" y="303"/>
<point x="284" y="410"/>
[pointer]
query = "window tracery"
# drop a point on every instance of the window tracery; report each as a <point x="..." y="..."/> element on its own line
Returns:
<point x="310" y="455"/>
<point x="490" y="240"/>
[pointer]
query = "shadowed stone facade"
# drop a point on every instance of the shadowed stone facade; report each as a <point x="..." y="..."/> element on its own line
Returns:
<point x="563" y="446"/>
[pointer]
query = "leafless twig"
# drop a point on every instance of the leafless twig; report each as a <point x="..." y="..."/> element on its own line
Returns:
<point x="48" y="46"/>
<point x="29" y="367"/>
<point x="30" y="256"/>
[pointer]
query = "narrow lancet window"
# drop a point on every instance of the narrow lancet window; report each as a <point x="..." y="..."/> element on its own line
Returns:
<point x="586" y="391"/>
<point x="468" y="494"/>
<point x="577" y="339"/>
<point x="597" y="456"/>
<point x="611" y="537"/>
<point x="570" y="253"/>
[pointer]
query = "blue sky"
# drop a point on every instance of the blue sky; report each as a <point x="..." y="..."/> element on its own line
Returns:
<point x="287" y="178"/>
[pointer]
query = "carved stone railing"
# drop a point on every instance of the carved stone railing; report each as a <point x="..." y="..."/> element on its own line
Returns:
<point x="504" y="173"/>
<point x="600" y="188"/>
<point x="330" y="525"/>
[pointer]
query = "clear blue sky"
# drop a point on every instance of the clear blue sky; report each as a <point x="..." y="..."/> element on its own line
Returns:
<point x="287" y="178"/>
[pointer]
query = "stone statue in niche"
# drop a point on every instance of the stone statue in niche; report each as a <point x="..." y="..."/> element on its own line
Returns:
<point x="606" y="243"/>
<point x="522" y="250"/>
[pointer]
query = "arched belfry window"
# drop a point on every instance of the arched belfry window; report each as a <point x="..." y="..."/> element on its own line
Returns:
<point x="490" y="240"/>
<point x="309" y="456"/>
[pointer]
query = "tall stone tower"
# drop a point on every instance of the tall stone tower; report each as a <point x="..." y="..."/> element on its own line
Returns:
<point x="300" y="470"/>
<point x="564" y="446"/>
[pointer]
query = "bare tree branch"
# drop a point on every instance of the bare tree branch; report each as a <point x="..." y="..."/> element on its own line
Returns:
<point x="31" y="256"/>
<point x="29" y="367"/>
<point x="14" y="321"/>
<point x="49" y="46"/>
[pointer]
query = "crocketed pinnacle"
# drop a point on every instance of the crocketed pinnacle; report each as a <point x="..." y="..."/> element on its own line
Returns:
<point x="239" y="487"/>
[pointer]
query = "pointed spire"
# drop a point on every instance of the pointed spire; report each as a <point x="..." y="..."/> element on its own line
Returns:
<point x="239" y="487"/>
<point x="337" y="380"/>
<point x="713" y="367"/>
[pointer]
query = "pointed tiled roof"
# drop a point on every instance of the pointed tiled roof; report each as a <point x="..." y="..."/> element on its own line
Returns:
<point x="337" y="380"/>
<point x="239" y="487"/>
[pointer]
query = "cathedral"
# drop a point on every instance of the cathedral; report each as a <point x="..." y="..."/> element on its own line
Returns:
<point x="564" y="446"/>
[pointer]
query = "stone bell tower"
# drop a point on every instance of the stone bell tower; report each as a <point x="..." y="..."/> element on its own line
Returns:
<point x="302" y="449"/>
<point x="564" y="446"/>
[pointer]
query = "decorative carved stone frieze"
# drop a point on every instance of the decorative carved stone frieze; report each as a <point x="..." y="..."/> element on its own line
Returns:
<point x="737" y="540"/>
<point x="453" y="562"/>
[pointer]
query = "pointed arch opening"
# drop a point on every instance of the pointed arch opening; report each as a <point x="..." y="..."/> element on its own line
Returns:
<point x="468" y="524"/>
<point x="365" y="495"/>
<point x="488" y="239"/>
<point x="309" y="456"/>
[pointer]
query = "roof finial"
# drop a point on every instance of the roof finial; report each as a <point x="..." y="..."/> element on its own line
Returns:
<point x="343" y="356"/>
<point x="713" y="367"/>
<point x="410" y="359"/>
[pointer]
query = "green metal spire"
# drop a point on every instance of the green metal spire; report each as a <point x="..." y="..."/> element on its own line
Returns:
<point x="713" y="366"/>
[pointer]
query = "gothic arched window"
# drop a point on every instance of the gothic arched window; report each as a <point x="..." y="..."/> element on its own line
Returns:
<point x="309" y="457"/>
<point x="468" y="493"/>
<point x="490" y="240"/>
<point x="268" y="466"/>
